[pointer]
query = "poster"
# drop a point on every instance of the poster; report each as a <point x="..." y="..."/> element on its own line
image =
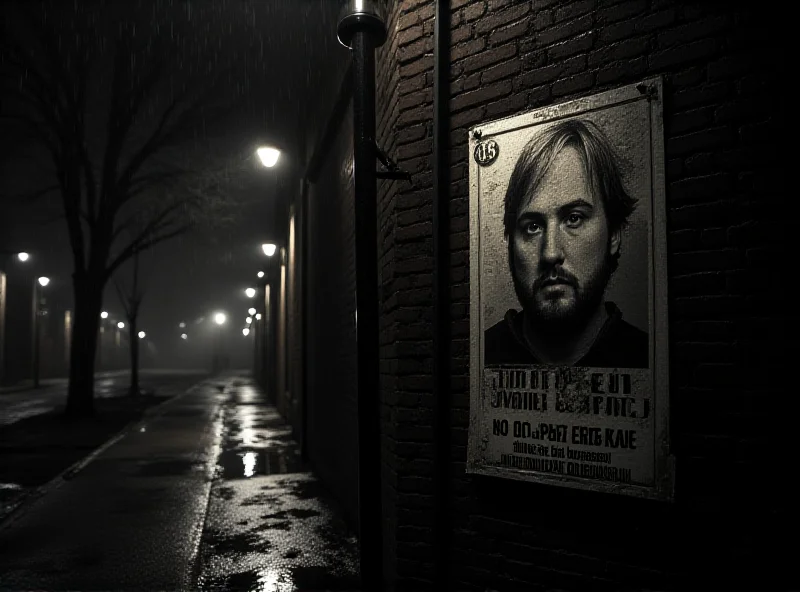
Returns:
<point x="568" y="303"/>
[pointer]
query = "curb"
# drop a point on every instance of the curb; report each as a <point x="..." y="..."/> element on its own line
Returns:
<point x="195" y="561"/>
<point x="35" y="493"/>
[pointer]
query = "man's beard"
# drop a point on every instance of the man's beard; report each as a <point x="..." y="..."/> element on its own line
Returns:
<point x="554" y="319"/>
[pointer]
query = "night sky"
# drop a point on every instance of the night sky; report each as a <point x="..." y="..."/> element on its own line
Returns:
<point x="274" y="54"/>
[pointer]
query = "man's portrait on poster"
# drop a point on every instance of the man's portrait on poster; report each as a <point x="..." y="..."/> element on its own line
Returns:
<point x="565" y="213"/>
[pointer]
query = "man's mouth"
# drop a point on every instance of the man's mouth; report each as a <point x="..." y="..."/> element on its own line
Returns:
<point x="554" y="282"/>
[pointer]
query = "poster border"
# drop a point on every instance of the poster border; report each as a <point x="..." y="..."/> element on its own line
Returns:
<point x="649" y="89"/>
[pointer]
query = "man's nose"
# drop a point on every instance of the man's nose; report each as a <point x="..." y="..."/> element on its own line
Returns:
<point x="552" y="248"/>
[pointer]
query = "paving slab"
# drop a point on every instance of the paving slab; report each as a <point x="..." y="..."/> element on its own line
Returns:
<point x="131" y="518"/>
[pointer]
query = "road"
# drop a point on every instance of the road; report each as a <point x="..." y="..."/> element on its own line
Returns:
<point x="52" y="394"/>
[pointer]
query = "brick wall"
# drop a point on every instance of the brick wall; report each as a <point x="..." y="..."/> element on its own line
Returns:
<point x="406" y="265"/>
<point x="728" y="305"/>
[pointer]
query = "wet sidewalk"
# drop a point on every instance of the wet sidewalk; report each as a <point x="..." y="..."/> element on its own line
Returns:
<point x="207" y="492"/>
<point x="270" y="525"/>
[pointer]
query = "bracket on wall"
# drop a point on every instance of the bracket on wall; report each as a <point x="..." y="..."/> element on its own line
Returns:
<point x="392" y="170"/>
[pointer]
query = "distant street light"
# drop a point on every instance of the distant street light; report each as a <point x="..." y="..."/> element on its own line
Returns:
<point x="268" y="155"/>
<point x="38" y="300"/>
<point x="219" y="319"/>
<point x="104" y="315"/>
<point x="269" y="249"/>
<point x="248" y="320"/>
<point x="251" y="292"/>
<point x="261" y="274"/>
<point x="120" y="325"/>
<point x="141" y="334"/>
<point x="246" y="331"/>
<point x="258" y="316"/>
<point x="251" y="311"/>
<point x="22" y="256"/>
<point x="184" y="336"/>
<point x="181" y="324"/>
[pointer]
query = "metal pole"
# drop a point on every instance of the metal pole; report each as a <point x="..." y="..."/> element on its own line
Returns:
<point x="362" y="29"/>
<point x="35" y="335"/>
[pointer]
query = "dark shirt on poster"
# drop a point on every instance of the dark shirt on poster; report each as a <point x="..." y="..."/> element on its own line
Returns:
<point x="618" y="345"/>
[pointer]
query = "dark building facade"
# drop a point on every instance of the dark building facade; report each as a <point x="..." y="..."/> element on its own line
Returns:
<point x="729" y="315"/>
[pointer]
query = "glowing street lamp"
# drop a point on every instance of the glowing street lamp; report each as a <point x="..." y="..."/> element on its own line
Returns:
<point x="181" y="324"/>
<point x="251" y="292"/>
<point x="104" y="315"/>
<point x="269" y="249"/>
<point x="141" y="334"/>
<point x="219" y="319"/>
<point x="249" y="320"/>
<point x="258" y="316"/>
<point x="23" y="256"/>
<point x="184" y="336"/>
<point x="38" y="300"/>
<point x="120" y="325"/>
<point x="246" y="331"/>
<point x="268" y="155"/>
<point x="261" y="274"/>
<point x="251" y="311"/>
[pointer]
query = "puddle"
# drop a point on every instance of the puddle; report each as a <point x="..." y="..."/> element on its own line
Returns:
<point x="242" y="464"/>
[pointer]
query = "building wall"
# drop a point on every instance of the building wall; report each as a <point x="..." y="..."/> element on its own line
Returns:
<point x="728" y="306"/>
<point x="331" y="364"/>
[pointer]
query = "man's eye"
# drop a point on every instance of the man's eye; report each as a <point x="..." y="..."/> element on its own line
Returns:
<point x="575" y="219"/>
<point x="530" y="228"/>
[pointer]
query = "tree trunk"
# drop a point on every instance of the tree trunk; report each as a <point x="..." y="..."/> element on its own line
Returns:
<point x="134" y="350"/>
<point x="88" y="294"/>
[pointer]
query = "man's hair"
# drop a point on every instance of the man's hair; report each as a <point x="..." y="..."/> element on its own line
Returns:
<point x="602" y="167"/>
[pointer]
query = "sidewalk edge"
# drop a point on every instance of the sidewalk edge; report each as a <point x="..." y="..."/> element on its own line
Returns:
<point x="37" y="492"/>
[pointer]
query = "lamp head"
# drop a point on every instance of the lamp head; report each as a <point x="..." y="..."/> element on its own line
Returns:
<point x="268" y="155"/>
<point x="362" y="16"/>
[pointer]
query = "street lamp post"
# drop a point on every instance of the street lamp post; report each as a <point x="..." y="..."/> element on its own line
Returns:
<point x="219" y="320"/>
<point x="101" y="339"/>
<point x="38" y="300"/>
<point x="362" y="29"/>
<point x="23" y="257"/>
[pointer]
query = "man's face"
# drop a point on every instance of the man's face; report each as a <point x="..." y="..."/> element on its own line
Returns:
<point x="561" y="247"/>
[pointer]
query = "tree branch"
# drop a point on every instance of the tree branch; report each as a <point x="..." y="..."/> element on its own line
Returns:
<point x="123" y="298"/>
<point x="157" y="224"/>
<point x="130" y="250"/>
<point x="30" y="195"/>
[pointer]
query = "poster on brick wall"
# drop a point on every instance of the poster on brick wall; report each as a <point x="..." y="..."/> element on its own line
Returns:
<point x="568" y="302"/>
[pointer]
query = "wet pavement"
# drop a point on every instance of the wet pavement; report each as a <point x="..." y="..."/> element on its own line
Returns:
<point x="131" y="517"/>
<point x="270" y="525"/>
<point x="207" y="492"/>
<point x="20" y="402"/>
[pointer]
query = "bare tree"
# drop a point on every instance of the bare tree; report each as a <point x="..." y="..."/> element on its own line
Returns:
<point x="131" y="297"/>
<point x="117" y="116"/>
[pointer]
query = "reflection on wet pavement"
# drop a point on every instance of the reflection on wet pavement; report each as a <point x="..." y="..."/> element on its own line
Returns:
<point x="270" y="525"/>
